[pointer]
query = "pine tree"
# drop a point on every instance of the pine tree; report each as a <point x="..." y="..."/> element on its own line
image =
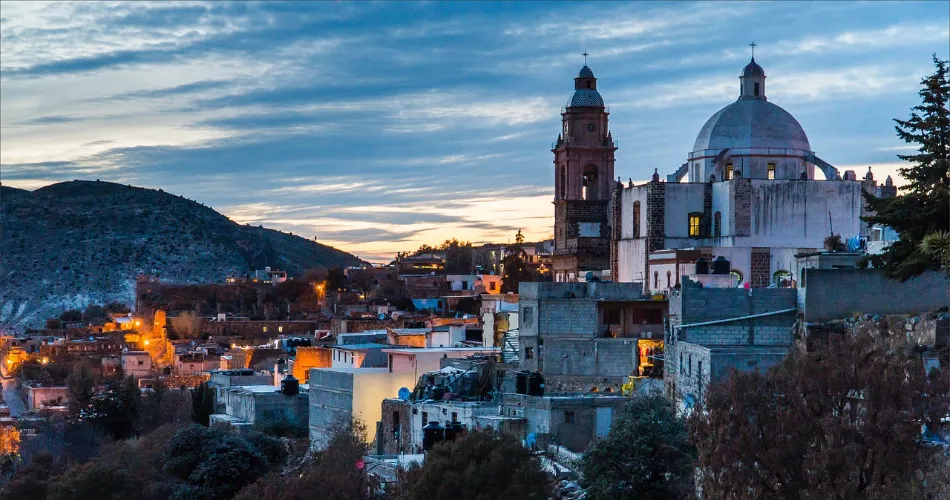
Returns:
<point x="925" y="206"/>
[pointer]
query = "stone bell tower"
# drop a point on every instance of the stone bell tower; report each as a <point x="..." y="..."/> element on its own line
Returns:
<point x="583" y="184"/>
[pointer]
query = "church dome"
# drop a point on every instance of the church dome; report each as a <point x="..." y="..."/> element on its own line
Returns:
<point x="585" y="72"/>
<point x="752" y="123"/>
<point x="753" y="69"/>
<point x="586" y="97"/>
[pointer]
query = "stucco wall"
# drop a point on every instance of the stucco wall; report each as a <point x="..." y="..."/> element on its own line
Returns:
<point x="839" y="293"/>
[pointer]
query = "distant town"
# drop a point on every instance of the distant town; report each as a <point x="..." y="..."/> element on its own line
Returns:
<point x="753" y="323"/>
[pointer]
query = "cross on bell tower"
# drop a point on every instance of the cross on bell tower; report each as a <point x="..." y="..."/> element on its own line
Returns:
<point x="753" y="45"/>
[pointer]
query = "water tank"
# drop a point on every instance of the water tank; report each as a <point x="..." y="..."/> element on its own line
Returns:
<point x="535" y="384"/>
<point x="453" y="430"/>
<point x="721" y="265"/>
<point x="702" y="266"/>
<point x="521" y="383"/>
<point x="432" y="433"/>
<point x="438" y="392"/>
<point x="290" y="386"/>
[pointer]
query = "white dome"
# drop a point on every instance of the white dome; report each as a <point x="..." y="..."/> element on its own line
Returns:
<point x="751" y="123"/>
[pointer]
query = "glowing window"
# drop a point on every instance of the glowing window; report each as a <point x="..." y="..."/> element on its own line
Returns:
<point x="771" y="171"/>
<point x="728" y="171"/>
<point x="694" y="225"/>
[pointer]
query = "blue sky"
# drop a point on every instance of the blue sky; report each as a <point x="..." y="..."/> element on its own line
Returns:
<point x="376" y="127"/>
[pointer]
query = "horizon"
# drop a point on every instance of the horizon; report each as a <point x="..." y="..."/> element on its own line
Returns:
<point x="294" y="116"/>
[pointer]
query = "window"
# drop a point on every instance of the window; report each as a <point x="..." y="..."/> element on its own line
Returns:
<point x="455" y="416"/>
<point x="728" y="171"/>
<point x="141" y="363"/>
<point x="425" y="418"/>
<point x="756" y="89"/>
<point x="493" y="286"/>
<point x="669" y="278"/>
<point x="395" y="422"/>
<point x="656" y="280"/>
<point x="699" y="370"/>
<point x="801" y="280"/>
<point x="694" y="220"/>
<point x="636" y="219"/>
<point x="280" y="329"/>
<point x="690" y="365"/>
<point x="527" y="315"/>
<point x="717" y="222"/>
<point x="569" y="417"/>
<point x="529" y="353"/>
<point x="588" y="84"/>
<point x="771" y="171"/>
<point x="589" y="189"/>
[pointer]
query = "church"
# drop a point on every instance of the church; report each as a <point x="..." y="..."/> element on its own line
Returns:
<point x="749" y="194"/>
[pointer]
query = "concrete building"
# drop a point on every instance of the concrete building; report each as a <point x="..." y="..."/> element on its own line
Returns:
<point x="400" y="429"/>
<point x="40" y="397"/>
<point x="247" y="405"/>
<point x="716" y="330"/>
<point x="584" y="337"/>
<point x="137" y="364"/>
<point x="569" y="420"/>
<point x="340" y="394"/>
<point x="222" y="380"/>
<point x="358" y="356"/>
<point x="583" y="181"/>
<point x="748" y="192"/>
<point x="422" y="360"/>
<point x="308" y="358"/>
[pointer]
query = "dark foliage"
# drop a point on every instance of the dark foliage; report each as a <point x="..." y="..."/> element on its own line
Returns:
<point x="477" y="465"/>
<point x="925" y="208"/>
<point x="842" y="421"/>
<point x="202" y="404"/>
<point x="116" y="409"/>
<point x="646" y="455"/>
<point x="71" y="315"/>
<point x="213" y="464"/>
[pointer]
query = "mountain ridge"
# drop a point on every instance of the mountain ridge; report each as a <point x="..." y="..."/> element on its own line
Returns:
<point x="73" y="243"/>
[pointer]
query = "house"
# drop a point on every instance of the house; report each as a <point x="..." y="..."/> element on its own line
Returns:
<point x="137" y="364"/>
<point x="246" y="405"/>
<point x="418" y="361"/>
<point x="194" y="362"/>
<point x="338" y="395"/>
<point x="221" y="380"/>
<point x="308" y="358"/>
<point x="585" y="337"/>
<point x="358" y="356"/>
<point x="40" y="397"/>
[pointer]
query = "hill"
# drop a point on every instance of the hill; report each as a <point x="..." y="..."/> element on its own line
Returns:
<point x="74" y="243"/>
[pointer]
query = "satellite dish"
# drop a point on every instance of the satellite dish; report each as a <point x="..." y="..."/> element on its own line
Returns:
<point x="404" y="393"/>
<point x="382" y="316"/>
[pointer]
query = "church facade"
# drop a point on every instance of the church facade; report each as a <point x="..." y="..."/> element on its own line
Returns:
<point x="749" y="192"/>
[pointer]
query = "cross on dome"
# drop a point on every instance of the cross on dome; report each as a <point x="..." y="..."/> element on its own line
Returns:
<point x="753" y="45"/>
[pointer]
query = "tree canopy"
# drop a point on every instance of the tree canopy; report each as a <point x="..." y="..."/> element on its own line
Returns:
<point x="842" y="421"/>
<point x="924" y="208"/>
<point x="646" y="455"/>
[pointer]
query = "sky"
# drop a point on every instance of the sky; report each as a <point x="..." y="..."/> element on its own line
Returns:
<point x="376" y="127"/>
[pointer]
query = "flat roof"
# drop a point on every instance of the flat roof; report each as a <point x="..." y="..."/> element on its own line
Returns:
<point x="423" y="350"/>
<point x="355" y="370"/>
<point x="359" y="347"/>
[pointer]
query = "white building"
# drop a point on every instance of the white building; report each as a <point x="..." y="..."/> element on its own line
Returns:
<point x="748" y="192"/>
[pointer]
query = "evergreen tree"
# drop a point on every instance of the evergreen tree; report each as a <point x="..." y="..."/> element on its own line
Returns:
<point x="202" y="404"/>
<point x="646" y="455"/>
<point x="925" y="206"/>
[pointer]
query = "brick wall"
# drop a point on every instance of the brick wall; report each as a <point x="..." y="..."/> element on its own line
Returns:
<point x="740" y="220"/>
<point x="656" y="226"/>
<point x="761" y="272"/>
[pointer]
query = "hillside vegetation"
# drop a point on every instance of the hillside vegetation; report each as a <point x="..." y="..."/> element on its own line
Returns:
<point x="74" y="243"/>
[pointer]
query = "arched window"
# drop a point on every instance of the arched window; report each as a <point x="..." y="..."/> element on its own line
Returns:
<point x="636" y="219"/>
<point x="717" y="222"/>
<point x="589" y="189"/>
<point x="738" y="274"/>
<point x="669" y="279"/>
<point x="801" y="279"/>
<point x="656" y="280"/>
<point x="756" y="89"/>
<point x="782" y="278"/>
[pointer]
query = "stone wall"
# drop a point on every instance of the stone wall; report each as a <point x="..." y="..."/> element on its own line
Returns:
<point x="760" y="274"/>
<point x="310" y="357"/>
<point x="740" y="218"/>
<point x="656" y="227"/>
<point x="839" y="293"/>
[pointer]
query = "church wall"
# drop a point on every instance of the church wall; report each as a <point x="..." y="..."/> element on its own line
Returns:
<point x="681" y="200"/>
<point x="631" y="260"/>
<point x="631" y="195"/>
<point x="721" y="203"/>
<point x="796" y="213"/>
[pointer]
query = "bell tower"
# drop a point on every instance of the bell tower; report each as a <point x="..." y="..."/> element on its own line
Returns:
<point x="583" y="182"/>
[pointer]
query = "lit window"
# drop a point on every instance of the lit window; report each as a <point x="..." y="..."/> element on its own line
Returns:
<point x="265" y="329"/>
<point x="694" y="226"/>
<point x="280" y="329"/>
<point x="771" y="171"/>
<point x="728" y="171"/>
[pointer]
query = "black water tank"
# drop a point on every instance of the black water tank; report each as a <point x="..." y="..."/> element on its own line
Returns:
<point x="535" y="384"/>
<point x="290" y="386"/>
<point x="702" y="266"/>
<point x="521" y="383"/>
<point x="438" y="392"/>
<point x="432" y="433"/>
<point x="721" y="265"/>
<point x="453" y="430"/>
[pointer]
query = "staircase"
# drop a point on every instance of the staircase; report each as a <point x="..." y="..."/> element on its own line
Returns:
<point x="510" y="347"/>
